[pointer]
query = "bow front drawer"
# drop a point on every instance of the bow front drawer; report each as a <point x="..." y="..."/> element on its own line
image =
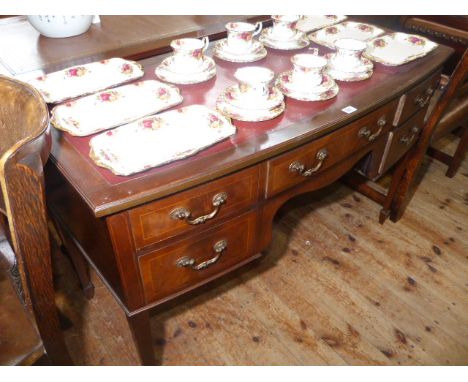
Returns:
<point x="298" y="165"/>
<point x="195" y="209"/>
<point x="198" y="259"/>
<point x="400" y="140"/>
<point x="417" y="99"/>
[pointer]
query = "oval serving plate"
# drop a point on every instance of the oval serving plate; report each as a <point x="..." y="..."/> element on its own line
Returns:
<point x="114" y="107"/>
<point x="86" y="79"/>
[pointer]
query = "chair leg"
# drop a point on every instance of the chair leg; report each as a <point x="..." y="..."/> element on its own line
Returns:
<point x="459" y="154"/>
<point x="79" y="263"/>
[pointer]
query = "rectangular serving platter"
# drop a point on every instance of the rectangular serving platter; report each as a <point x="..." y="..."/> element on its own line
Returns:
<point x="86" y="79"/>
<point x="157" y="140"/>
<point x="398" y="48"/>
<point x="347" y="29"/>
<point x="114" y="107"/>
<point x="314" y="22"/>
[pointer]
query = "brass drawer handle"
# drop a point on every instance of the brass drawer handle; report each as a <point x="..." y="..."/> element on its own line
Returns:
<point x="407" y="140"/>
<point x="299" y="167"/>
<point x="423" y="100"/>
<point x="366" y="133"/>
<point x="189" y="262"/>
<point x="182" y="213"/>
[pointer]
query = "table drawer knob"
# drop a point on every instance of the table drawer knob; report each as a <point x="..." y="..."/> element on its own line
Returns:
<point x="423" y="100"/>
<point x="299" y="167"/>
<point x="366" y="133"/>
<point x="189" y="262"/>
<point x="408" y="139"/>
<point x="182" y="213"/>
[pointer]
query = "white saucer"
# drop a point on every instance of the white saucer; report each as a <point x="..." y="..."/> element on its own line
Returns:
<point x="358" y="73"/>
<point x="234" y="97"/>
<point x="364" y="66"/>
<point x="271" y="109"/>
<point x="222" y="51"/>
<point x="326" y="90"/>
<point x="298" y="41"/>
<point x="204" y="72"/>
<point x="348" y="76"/>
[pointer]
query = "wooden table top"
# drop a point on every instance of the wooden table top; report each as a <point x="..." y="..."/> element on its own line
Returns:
<point x="23" y="49"/>
<point x="302" y="121"/>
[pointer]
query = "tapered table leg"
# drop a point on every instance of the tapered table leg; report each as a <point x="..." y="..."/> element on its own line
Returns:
<point x="141" y="331"/>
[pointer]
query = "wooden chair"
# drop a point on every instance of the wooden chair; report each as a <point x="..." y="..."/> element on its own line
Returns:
<point x="451" y="31"/>
<point x="31" y="328"/>
<point x="441" y="119"/>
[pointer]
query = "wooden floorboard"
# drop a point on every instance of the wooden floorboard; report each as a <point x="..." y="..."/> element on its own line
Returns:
<point x="334" y="288"/>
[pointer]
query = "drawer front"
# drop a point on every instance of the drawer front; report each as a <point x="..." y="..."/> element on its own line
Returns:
<point x="417" y="99"/>
<point x="298" y="165"/>
<point x="400" y="140"/>
<point x="195" y="209"/>
<point x="190" y="262"/>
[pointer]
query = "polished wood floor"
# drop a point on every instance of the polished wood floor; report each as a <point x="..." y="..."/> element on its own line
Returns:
<point x="334" y="288"/>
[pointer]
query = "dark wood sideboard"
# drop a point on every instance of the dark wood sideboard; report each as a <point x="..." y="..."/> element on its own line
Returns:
<point x="132" y="231"/>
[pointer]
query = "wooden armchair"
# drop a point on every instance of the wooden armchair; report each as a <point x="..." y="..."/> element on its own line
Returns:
<point x="31" y="328"/>
<point x="451" y="31"/>
<point x="435" y="125"/>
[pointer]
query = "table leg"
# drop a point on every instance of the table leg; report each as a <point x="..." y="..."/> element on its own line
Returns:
<point x="141" y="331"/>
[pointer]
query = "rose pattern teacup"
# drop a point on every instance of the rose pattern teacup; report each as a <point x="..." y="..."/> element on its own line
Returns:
<point x="188" y="54"/>
<point x="308" y="68"/>
<point x="284" y="27"/>
<point x="240" y="35"/>
<point x="348" y="53"/>
<point x="254" y="83"/>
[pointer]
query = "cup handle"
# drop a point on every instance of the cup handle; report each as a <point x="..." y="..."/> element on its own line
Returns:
<point x="206" y="42"/>
<point x="258" y="28"/>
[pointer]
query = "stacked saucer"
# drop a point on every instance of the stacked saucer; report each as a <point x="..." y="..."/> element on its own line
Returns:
<point x="188" y="65"/>
<point x="308" y="80"/>
<point x="254" y="53"/>
<point x="302" y="91"/>
<point x="253" y="99"/>
<point x="296" y="40"/>
<point x="348" y="64"/>
<point x="240" y="45"/>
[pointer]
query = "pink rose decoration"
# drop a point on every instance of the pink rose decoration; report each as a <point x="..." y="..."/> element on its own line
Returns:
<point x="416" y="40"/>
<point x="73" y="72"/>
<point x="127" y="69"/>
<point x="105" y="96"/>
<point x="109" y="133"/>
<point x="147" y="123"/>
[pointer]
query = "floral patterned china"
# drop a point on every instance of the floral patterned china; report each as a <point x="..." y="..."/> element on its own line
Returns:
<point x="312" y="23"/>
<point x="297" y="41"/>
<point x="347" y="29"/>
<point x="398" y="48"/>
<point x="348" y="56"/>
<point x="254" y="98"/>
<point x="362" y="71"/>
<point x="235" y="97"/>
<point x="160" y="139"/>
<point x="114" y="107"/>
<point x="308" y="68"/>
<point x="292" y="88"/>
<point x="284" y="27"/>
<point x="256" y="52"/>
<point x="188" y="54"/>
<point x="167" y="71"/>
<point x="255" y="84"/>
<point x="240" y="36"/>
<point x="86" y="79"/>
<point x="250" y="115"/>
